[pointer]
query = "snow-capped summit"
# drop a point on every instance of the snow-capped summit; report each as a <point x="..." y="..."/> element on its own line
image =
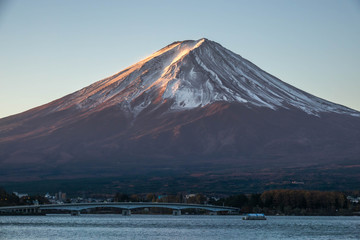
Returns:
<point x="192" y="74"/>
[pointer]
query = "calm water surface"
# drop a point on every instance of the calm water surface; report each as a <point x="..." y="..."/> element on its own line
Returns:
<point x="176" y="227"/>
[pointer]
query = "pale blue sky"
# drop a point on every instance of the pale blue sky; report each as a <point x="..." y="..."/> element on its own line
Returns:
<point x="52" y="48"/>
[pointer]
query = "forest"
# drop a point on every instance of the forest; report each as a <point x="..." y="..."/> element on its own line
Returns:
<point x="294" y="202"/>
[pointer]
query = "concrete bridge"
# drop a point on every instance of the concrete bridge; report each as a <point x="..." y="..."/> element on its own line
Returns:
<point x="126" y="207"/>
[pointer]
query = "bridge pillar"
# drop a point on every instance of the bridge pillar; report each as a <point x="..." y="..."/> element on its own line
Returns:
<point x="177" y="212"/>
<point x="75" y="213"/>
<point x="126" y="212"/>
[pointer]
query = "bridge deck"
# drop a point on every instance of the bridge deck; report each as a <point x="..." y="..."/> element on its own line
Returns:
<point x="122" y="205"/>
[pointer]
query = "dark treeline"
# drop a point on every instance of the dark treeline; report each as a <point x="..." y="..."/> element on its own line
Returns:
<point x="293" y="202"/>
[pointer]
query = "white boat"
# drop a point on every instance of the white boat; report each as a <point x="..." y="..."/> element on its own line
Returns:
<point x="254" y="216"/>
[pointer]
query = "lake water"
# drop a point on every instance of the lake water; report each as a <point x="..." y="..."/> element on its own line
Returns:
<point x="176" y="227"/>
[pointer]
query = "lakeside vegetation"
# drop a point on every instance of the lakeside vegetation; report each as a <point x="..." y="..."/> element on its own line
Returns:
<point x="294" y="202"/>
<point x="272" y="202"/>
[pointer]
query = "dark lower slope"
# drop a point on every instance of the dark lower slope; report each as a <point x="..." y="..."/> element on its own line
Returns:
<point x="219" y="141"/>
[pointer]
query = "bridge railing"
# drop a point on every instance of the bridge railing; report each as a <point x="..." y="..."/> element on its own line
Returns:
<point x="122" y="205"/>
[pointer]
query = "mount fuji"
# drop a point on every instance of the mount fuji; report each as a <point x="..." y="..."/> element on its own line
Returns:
<point x="192" y="109"/>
